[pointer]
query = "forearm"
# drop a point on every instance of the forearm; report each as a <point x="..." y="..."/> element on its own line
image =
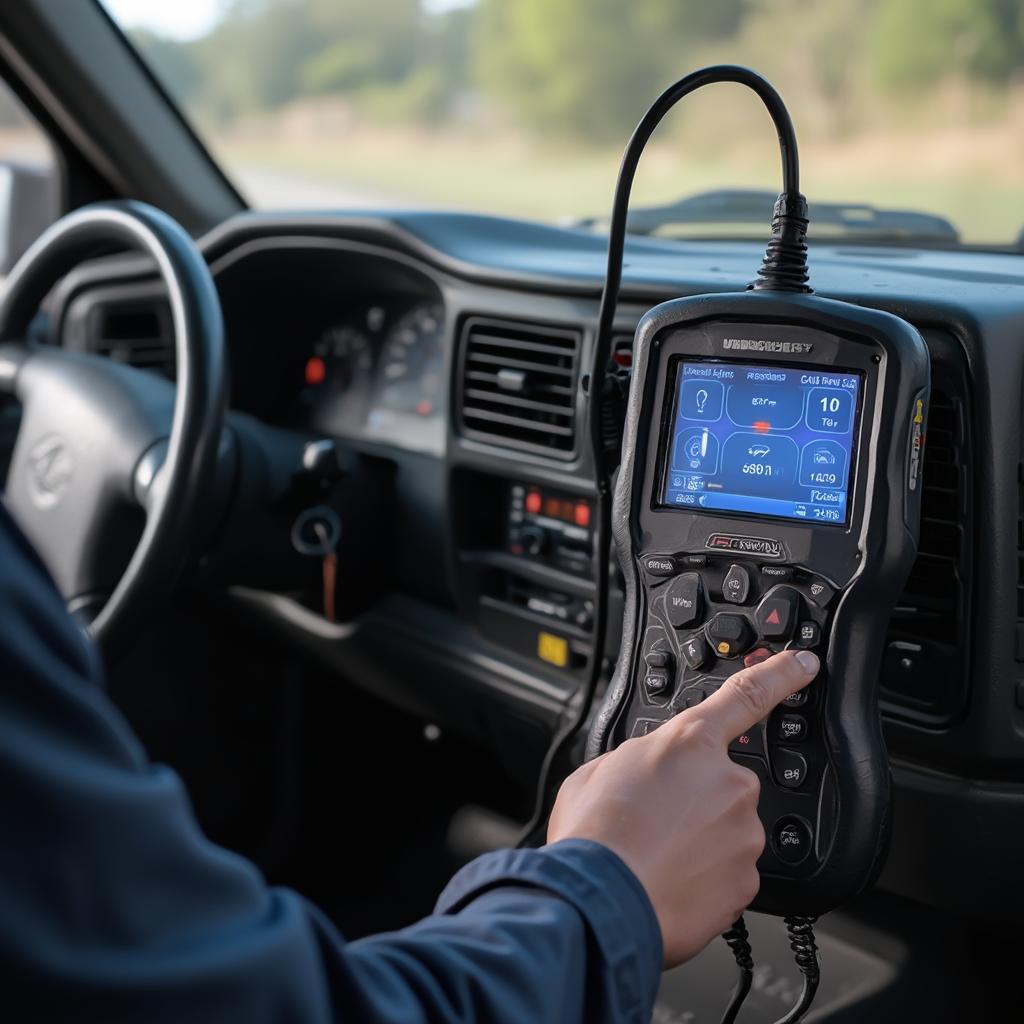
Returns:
<point x="559" y="935"/>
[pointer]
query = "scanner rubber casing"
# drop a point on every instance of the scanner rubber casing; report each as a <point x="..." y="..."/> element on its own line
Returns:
<point x="867" y="560"/>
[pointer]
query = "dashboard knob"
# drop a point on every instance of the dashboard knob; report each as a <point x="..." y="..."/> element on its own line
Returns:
<point x="534" y="540"/>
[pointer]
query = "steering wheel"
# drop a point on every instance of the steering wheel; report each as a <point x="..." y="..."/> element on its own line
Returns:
<point x="101" y="446"/>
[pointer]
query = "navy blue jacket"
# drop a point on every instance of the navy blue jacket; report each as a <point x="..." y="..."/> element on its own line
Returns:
<point x="114" y="907"/>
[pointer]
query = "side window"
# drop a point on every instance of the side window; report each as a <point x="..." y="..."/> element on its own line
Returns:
<point x="30" y="185"/>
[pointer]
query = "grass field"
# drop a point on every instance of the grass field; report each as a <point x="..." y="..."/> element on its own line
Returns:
<point x="975" y="179"/>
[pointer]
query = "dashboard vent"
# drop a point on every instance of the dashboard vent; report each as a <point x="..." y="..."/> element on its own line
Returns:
<point x="139" y="334"/>
<point x="518" y="384"/>
<point x="927" y="646"/>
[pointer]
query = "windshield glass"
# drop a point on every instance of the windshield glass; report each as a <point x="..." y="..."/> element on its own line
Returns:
<point x="910" y="113"/>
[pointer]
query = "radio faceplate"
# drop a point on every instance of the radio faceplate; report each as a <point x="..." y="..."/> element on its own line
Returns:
<point x="714" y="586"/>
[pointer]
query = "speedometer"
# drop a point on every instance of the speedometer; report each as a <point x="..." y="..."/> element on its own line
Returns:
<point x="411" y="366"/>
<point x="339" y="378"/>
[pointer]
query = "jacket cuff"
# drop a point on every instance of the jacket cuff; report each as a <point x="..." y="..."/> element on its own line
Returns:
<point x="605" y="892"/>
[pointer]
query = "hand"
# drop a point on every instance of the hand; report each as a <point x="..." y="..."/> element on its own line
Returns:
<point x="679" y="812"/>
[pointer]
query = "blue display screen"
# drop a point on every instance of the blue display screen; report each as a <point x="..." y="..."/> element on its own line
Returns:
<point x="763" y="440"/>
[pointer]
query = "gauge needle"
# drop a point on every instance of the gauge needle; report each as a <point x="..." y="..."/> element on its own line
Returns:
<point x="704" y="442"/>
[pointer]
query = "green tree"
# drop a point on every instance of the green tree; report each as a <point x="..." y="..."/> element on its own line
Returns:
<point x="917" y="42"/>
<point x="586" y="67"/>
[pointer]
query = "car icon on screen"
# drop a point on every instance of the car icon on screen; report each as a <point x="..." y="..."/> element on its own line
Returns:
<point x="759" y="450"/>
<point x="823" y="457"/>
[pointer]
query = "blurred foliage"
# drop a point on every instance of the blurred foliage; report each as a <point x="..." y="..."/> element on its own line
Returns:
<point x="582" y="70"/>
<point x="918" y="42"/>
<point x="589" y="67"/>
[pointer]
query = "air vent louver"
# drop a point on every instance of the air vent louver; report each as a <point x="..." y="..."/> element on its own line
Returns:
<point x="138" y="334"/>
<point x="519" y="385"/>
<point x="926" y="651"/>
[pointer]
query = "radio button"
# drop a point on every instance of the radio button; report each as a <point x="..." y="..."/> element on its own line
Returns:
<point x="683" y="600"/>
<point x="790" y="768"/>
<point x="729" y="635"/>
<point x="736" y="587"/>
<point x="659" y="565"/>
<point x="776" y="614"/>
<point x="696" y="651"/>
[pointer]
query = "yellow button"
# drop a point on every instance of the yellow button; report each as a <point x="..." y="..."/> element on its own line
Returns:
<point x="723" y="647"/>
<point x="553" y="649"/>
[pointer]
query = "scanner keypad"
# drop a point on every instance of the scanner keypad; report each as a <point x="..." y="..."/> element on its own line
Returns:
<point x="706" y="618"/>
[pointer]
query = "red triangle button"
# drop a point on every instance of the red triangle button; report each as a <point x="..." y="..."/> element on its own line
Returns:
<point x="773" y="618"/>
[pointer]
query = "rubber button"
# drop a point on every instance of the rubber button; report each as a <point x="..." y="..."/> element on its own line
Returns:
<point x="729" y="635"/>
<point x="750" y="742"/>
<point x="736" y="586"/>
<point x="656" y="683"/>
<point x="820" y="591"/>
<point x="696" y="651"/>
<point x="661" y="660"/>
<point x="659" y="565"/>
<point x="756" y="656"/>
<point x="792" y="728"/>
<point x="796" y="700"/>
<point x="683" y="602"/>
<point x="791" y="838"/>
<point x="776" y="614"/>
<point x="808" y="634"/>
<point x="790" y="768"/>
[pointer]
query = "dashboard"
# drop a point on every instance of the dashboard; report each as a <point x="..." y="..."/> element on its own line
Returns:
<point x="443" y="354"/>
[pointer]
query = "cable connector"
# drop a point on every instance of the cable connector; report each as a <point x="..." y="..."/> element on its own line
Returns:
<point x="784" y="267"/>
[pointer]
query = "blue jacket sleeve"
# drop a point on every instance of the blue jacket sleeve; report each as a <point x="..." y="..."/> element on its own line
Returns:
<point x="114" y="907"/>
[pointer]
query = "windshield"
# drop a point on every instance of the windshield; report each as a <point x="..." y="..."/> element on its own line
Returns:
<point x="522" y="107"/>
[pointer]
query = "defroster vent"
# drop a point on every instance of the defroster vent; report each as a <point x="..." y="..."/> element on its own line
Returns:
<point x="518" y="385"/>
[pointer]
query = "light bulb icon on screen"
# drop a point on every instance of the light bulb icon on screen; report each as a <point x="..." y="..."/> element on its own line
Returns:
<point x="702" y="400"/>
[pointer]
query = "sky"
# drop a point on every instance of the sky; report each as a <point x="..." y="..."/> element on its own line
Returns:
<point x="186" y="19"/>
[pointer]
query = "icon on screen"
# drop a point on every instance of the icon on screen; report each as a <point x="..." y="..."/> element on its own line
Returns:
<point x="823" y="457"/>
<point x="701" y="400"/>
<point x="697" y="449"/>
<point x="759" y="451"/>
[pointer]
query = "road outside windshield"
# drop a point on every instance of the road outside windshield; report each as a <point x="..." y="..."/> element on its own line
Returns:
<point x="522" y="107"/>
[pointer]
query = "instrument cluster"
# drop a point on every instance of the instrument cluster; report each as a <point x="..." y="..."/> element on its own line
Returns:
<point x="378" y="374"/>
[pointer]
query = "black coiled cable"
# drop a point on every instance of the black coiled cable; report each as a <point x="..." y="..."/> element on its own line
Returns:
<point x="805" y="953"/>
<point x="738" y="940"/>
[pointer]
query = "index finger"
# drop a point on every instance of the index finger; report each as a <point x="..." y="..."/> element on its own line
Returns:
<point x="752" y="693"/>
